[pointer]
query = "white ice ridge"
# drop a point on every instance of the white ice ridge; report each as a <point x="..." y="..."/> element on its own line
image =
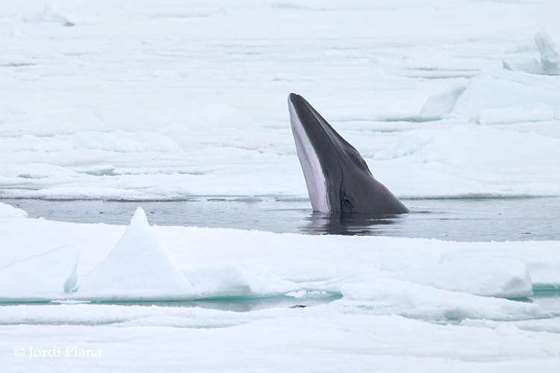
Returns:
<point x="510" y="96"/>
<point x="441" y="104"/>
<point x="498" y="97"/>
<point x="138" y="267"/>
<point x="389" y="296"/>
<point x="548" y="62"/>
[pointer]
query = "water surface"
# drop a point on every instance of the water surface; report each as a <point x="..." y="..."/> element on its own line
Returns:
<point x="461" y="219"/>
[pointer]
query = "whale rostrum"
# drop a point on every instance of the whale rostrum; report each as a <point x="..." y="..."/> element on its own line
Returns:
<point x="337" y="177"/>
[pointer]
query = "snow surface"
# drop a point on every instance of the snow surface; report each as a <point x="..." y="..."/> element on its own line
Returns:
<point x="8" y="211"/>
<point x="140" y="100"/>
<point x="391" y="303"/>
<point x="121" y="100"/>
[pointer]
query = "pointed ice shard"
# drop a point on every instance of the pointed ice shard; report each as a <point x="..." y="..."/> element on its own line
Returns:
<point x="550" y="59"/>
<point x="547" y="63"/>
<point x="138" y="267"/>
<point x="440" y="105"/>
<point x="139" y="219"/>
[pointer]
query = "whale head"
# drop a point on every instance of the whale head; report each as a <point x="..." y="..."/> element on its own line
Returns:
<point x="337" y="177"/>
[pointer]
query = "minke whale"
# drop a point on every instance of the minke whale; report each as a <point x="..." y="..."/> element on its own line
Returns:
<point x="337" y="177"/>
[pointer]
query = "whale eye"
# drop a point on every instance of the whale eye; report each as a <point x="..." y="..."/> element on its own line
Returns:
<point x="347" y="203"/>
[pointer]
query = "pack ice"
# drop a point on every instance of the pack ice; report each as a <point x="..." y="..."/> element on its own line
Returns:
<point x="388" y="275"/>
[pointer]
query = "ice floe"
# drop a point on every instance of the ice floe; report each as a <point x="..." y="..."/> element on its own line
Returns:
<point x="38" y="277"/>
<point x="498" y="97"/>
<point x="508" y="97"/>
<point x="381" y="296"/>
<point x="187" y="264"/>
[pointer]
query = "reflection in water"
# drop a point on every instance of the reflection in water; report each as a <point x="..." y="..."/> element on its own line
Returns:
<point x="349" y="224"/>
<point x="467" y="219"/>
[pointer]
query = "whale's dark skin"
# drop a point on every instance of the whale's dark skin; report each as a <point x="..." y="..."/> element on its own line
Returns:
<point x="343" y="183"/>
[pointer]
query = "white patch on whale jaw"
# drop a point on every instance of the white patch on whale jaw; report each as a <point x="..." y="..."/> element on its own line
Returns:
<point x="312" y="170"/>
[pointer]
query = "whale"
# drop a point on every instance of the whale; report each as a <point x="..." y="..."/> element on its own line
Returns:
<point x="338" y="179"/>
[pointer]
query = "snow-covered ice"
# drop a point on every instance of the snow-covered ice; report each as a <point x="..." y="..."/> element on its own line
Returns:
<point x="399" y="300"/>
<point x="532" y="98"/>
<point x="115" y="99"/>
<point x="119" y="101"/>
<point x="42" y="276"/>
<point x="203" y="263"/>
<point x="8" y="211"/>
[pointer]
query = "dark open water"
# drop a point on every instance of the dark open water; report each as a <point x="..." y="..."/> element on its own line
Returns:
<point x="461" y="219"/>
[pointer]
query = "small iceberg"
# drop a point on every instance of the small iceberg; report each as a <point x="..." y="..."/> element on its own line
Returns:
<point x="137" y="268"/>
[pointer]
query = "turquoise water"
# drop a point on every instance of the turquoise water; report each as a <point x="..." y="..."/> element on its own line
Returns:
<point x="546" y="295"/>
<point x="225" y="303"/>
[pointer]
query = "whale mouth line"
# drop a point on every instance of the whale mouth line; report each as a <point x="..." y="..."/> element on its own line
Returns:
<point x="313" y="172"/>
